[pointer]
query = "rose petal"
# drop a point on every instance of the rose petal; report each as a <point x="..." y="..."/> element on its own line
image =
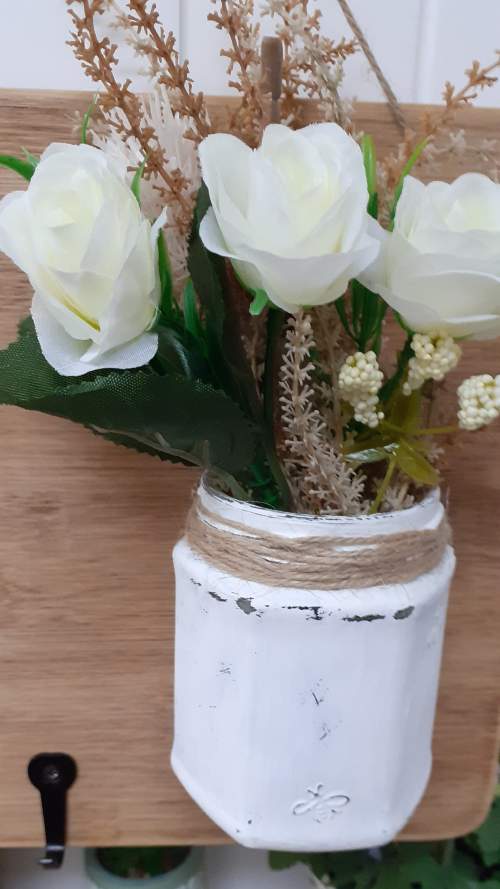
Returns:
<point x="73" y="358"/>
<point x="291" y="282"/>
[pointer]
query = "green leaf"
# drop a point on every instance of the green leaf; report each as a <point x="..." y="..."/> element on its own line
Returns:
<point x="175" y="354"/>
<point x="206" y="271"/>
<point x="202" y="205"/>
<point x="392" y="384"/>
<point x="191" y="417"/>
<point x="24" y="372"/>
<point x="191" y="317"/>
<point x="136" y="182"/>
<point x="372" y="207"/>
<point x="372" y="455"/>
<point x="488" y="836"/>
<point x="86" y="119"/>
<point x="149" y="862"/>
<point x="259" y="302"/>
<point x="166" y="285"/>
<point x="410" y="163"/>
<point x="352" y="870"/>
<point x="341" y="312"/>
<point x="422" y="871"/>
<point x="284" y="860"/>
<point x="367" y="312"/>
<point x="25" y="168"/>
<point x="141" y="444"/>
<point x="406" y="410"/>
<point x="31" y="158"/>
<point x="370" y="163"/>
<point x="415" y="465"/>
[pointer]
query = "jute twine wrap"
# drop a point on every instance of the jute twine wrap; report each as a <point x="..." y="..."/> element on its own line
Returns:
<point x="322" y="563"/>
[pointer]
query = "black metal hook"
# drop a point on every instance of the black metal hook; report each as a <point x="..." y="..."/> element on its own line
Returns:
<point x="53" y="774"/>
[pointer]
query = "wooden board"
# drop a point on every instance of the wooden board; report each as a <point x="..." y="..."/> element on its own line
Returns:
<point x="86" y="597"/>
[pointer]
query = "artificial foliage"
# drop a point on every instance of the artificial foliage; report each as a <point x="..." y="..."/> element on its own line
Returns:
<point x="259" y="298"/>
<point x="470" y="862"/>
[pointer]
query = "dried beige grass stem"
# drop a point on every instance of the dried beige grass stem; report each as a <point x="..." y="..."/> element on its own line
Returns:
<point x="320" y="480"/>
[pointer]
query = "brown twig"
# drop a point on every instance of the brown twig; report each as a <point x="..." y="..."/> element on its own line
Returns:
<point x="160" y="49"/>
<point x="312" y="63"/>
<point x="235" y="18"/>
<point x="432" y="126"/>
<point x="272" y="73"/>
<point x="98" y="58"/>
<point x="478" y="79"/>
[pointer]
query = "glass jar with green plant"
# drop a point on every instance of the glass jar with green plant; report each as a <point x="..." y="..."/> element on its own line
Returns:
<point x="153" y="867"/>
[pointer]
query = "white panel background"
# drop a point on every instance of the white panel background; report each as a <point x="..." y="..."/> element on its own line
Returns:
<point x="421" y="43"/>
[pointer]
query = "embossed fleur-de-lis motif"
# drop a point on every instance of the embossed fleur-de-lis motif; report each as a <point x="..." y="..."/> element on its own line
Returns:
<point x="321" y="804"/>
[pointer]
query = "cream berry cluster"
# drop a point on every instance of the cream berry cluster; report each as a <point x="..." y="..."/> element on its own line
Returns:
<point x="434" y="355"/>
<point x="360" y="379"/>
<point x="479" y="401"/>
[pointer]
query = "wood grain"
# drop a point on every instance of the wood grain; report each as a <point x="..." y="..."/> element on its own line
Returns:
<point x="86" y="596"/>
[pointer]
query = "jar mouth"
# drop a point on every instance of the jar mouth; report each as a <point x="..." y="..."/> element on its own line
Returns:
<point x="173" y="880"/>
<point x="430" y="500"/>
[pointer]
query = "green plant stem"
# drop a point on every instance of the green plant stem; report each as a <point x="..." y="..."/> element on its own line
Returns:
<point x="448" y="853"/>
<point x="437" y="430"/>
<point x="431" y="430"/>
<point x="384" y="485"/>
<point x="403" y="358"/>
<point x="275" y="322"/>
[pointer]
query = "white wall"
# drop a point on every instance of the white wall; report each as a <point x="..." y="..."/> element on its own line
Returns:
<point x="420" y="43"/>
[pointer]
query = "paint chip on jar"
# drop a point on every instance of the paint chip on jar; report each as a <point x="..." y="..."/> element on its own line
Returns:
<point x="403" y="613"/>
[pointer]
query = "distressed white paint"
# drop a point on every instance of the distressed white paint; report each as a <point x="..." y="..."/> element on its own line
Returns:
<point x="420" y="43"/>
<point x="303" y="718"/>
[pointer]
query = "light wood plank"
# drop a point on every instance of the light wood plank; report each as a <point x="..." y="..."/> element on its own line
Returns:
<point x="86" y="595"/>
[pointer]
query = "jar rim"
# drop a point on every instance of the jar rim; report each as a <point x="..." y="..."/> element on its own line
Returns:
<point x="432" y="498"/>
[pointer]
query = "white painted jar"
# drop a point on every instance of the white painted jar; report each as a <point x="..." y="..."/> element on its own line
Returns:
<point x="188" y="875"/>
<point x="304" y="717"/>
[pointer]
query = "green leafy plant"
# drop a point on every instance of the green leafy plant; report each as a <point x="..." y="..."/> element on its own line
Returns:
<point x="470" y="862"/>
<point x="141" y="862"/>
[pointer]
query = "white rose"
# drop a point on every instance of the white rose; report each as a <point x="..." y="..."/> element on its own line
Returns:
<point x="440" y="268"/>
<point x="79" y="235"/>
<point x="291" y="215"/>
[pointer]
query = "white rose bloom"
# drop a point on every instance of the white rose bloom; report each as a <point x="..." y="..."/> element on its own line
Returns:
<point x="440" y="268"/>
<point x="79" y="235"/>
<point x="291" y="215"/>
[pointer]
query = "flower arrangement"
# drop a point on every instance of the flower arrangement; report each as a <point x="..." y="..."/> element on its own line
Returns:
<point x="221" y="298"/>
